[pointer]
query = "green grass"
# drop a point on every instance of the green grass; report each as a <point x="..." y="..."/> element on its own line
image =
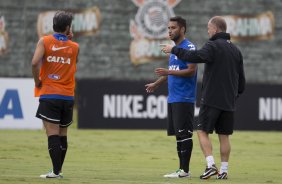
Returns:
<point x="134" y="157"/>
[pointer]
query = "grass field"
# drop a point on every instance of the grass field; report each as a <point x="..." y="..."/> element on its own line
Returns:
<point x="137" y="157"/>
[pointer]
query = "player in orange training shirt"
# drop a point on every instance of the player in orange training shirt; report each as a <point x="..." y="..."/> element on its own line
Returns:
<point x="53" y="69"/>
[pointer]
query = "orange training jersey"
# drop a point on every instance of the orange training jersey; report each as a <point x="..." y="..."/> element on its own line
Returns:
<point x="58" y="67"/>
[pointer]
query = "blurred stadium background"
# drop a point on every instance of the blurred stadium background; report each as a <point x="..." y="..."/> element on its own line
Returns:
<point x="119" y="50"/>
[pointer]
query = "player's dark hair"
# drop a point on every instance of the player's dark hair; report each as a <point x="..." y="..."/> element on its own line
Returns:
<point x="61" y="20"/>
<point x="180" y="21"/>
<point x="220" y="23"/>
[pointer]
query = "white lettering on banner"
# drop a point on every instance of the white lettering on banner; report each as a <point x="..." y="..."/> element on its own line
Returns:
<point x="133" y="106"/>
<point x="109" y="106"/>
<point x="137" y="106"/>
<point x="118" y="106"/>
<point x="144" y="50"/>
<point x="270" y="109"/>
<point x="46" y="25"/>
<point x="85" y="22"/>
<point x="250" y="27"/>
<point x="126" y="106"/>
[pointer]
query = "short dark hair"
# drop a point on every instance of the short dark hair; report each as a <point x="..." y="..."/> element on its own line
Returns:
<point x="180" y="21"/>
<point x="219" y="22"/>
<point x="61" y="20"/>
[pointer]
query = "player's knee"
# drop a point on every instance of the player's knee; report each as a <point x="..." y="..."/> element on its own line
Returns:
<point x="185" y="134"/>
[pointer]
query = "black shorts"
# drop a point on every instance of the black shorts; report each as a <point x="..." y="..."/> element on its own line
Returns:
<point x="56" y="111"/>
<point x="211" y="118"/>
<point x="180" y="119"/>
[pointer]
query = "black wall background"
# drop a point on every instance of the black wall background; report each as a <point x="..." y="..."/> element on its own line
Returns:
<point x="90" y="106"/>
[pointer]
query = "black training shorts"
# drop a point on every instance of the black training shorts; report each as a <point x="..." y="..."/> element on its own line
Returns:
<point x="211" y="118"/>
<point x="56" y="111"/>
<point x="180" y="119"/>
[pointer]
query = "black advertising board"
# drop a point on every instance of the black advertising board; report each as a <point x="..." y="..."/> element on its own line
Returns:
<point x="106" y="104"/>
<point x="120" y="105"/>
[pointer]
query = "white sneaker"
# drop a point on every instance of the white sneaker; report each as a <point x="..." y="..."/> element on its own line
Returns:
<point x="51" y="175"/>
<point x="173" y="175"/>
<point x="183" y="174"/>
<point x="178" y="174"/>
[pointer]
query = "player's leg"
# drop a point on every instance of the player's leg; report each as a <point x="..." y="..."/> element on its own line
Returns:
<point x="64" y="145"/>
<point x="207" y="119"/>
<point x="171" y="132"/>
<point x="66" y="121"/>
<point x="49" y="112"/>
<point x="183" y="122"/>
<point x="54" y="145"/>
<point x="181" y="118"/>
<point x="206" y="146"/>
<point x="224" y="128"/>
<point x="225" y="149"/>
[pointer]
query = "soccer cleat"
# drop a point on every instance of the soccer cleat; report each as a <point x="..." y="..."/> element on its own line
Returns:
<point x="173" y="175"/>
<point x="209" y="172"/>
<point x="183" y="174"/>
<point x="177" y="174"/>
<point x="51" y="175"/>
<point x="222" y="176"/>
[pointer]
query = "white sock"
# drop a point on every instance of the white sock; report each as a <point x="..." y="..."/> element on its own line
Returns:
<point x="224" y="167"/>
<point x="210" y="161"/>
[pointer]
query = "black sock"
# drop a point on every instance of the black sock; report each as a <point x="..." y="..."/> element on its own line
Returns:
<point x="179" y="152"/>
<point x="54" y="147"/>
<point x="64" y="147"/>
<point x="186" y="151"/>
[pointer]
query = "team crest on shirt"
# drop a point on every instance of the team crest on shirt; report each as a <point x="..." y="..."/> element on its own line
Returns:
<point x="149" y="29"/>
<point x="3" y="36"/>
<point x="54" y="76"/>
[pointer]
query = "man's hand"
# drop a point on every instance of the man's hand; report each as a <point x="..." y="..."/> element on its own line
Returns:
<point x="38" y="83"/>
<point x="70" y="35"/>
<point x="150" y="88"/>
<point x="162" y="71"/>
<point x="166" y="48"/>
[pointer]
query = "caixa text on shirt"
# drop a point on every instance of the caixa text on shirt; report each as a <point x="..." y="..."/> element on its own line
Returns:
<point x="58" y="59"/>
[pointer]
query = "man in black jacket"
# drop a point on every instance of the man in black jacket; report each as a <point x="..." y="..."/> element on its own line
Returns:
<point x="223" y="81"/>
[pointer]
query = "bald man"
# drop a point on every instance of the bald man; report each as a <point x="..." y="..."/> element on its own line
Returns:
<point x="223" y="81"/>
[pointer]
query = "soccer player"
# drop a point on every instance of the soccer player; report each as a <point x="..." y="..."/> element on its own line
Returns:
<point x="53" y="69"/>
<point x="223" y="81"/>
<point x="182" y="78"/>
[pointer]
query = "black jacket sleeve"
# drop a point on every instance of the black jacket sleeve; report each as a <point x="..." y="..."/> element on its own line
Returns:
<point x="242" y="80"/>
<point x="203" y="55"/>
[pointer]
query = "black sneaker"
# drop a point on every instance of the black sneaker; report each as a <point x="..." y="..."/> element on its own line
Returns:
<point x="222" y="176"/>
<point x="209" y="172"/>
